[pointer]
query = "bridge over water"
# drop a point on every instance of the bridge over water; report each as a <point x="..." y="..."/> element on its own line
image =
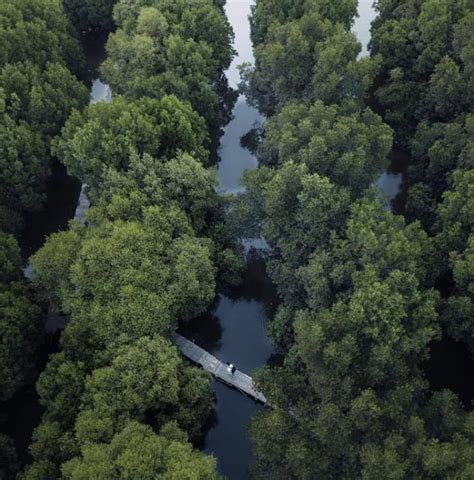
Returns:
<point x="238" y="380"/>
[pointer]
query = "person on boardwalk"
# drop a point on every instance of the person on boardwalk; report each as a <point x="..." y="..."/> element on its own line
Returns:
<point x="231" y="368"/>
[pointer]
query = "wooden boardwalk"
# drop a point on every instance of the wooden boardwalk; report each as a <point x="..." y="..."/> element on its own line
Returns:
<point x="238" y="380"/>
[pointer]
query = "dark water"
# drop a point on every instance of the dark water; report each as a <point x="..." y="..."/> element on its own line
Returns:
<point x="234" y="330"/>
<point x="235" y="160"/>
<point x="22" y="413"/>
<point x="451" y="365"/>
<point x="61" y="199"/>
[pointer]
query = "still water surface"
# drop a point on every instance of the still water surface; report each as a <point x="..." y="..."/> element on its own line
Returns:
<point x="234" y="330"/>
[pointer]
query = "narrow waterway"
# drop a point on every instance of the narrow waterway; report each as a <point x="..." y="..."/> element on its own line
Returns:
<point x="235" y="328"/>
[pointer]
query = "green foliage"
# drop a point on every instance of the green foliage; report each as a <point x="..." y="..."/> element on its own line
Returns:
<point x="8" y="458"/>
<point x="23" y="170"/>
<point x="42" y="98"/>
<point x="308" y="57"/>
<point x="426" y="54"/>
<point x="182" y="183"/>
<point x="157" y="240"/>
<point x="437" y="151"/>
<point x="202" y="21"/>
<point x="351" y="150"/>
<point x="20" y="322"/>
<point x="39" y="32"/>
<point x="460" y="305"/>
<point x="360" y="310"/>
<point x="60" y="388"/>
<point x="120" y="280"/>
<point x="10" y="259"/>
<point x="53" y="262"/>
<point x="37" y="93"/>
<point x="155" y="272"/>
<point x="456" y="213"/>
<point x="139" y="454"/>
<point x="298" y="211"/>
<point x="107" y="134"/>
<point x="267" y="12"/>
<point x="455" y="259"/>
<point x="145" y="380"/>
<point x="171" y="48"/>
<point x="373" y="239"/>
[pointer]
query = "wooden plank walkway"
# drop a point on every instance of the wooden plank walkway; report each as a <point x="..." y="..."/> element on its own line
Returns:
<point x="238" y="380"/>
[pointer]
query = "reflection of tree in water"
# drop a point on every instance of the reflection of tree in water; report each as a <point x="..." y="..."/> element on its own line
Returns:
<point x="208" y="424"/>
<point x="449" y="364"/>
<point x="205" y="330"/>
<point x="22" y="413"/>
<point x="256" y="284"/>
<point x="252" y="139"/>
<point x="228" y="98"/>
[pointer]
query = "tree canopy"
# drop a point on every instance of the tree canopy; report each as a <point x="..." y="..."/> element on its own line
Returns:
<point x="360" y="308"/>
<point x="38" y="89"/>
<point x="154" y="247"/>
<point x="172" y="48"/>
<point x="138" y="453"/>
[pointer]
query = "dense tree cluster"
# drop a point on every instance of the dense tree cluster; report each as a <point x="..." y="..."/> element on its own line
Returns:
<point x="39" y="61"/>
<point x="20" y="321"/>
<point x="180" y="48"/>
<point x="426" y="56"/>
<point x="305" y="51"/>
<point x="120" y="402"/>
<point x="358" y="282"/>
<point x="38" y="89"/>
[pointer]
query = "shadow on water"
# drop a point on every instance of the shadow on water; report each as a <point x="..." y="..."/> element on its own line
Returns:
<point x="234" y="328"/>
<point x="94" y="50"/>
<point x="229" y="440"/>
<point x="450" y="366"/>
<point x="22" y="413"/>
<point x="62" y="193"/>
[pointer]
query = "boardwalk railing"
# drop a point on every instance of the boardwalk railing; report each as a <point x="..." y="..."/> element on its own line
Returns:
<point x="238" y="380"/>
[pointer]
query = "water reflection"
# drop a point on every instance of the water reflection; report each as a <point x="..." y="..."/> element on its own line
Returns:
<point x="235" y="160"/>
<point x="362" y="24"/>
<point x="234" y="328"/>
<point x="100" y="92"/>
